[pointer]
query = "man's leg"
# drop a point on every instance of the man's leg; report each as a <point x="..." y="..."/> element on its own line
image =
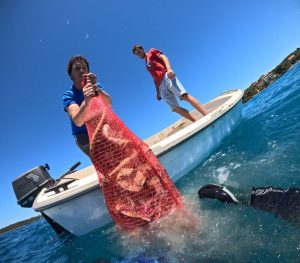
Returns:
<point x="184" y="113"/>
<point x="195" y="103"/>
<point x="178" y="90"/>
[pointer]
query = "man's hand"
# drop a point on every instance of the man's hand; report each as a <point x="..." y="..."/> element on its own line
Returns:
<point x="158" y="97"/>
<point x="171" y="74"/>
<point x="88" y="91"/>
<point x="91" y="89"/>
<point x="91" y="77"/>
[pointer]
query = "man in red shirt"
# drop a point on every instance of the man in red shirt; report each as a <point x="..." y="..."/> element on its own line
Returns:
<point x="167" y="85"/>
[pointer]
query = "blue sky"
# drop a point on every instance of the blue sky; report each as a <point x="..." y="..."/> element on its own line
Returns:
<point x="213" y="46"/>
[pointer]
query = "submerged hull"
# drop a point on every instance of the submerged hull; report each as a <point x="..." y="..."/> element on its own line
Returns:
<point x="79" y="206"/>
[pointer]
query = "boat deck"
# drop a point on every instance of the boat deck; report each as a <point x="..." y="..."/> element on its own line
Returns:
<point x="174" y="128"/>
<point x="183" y="122"/>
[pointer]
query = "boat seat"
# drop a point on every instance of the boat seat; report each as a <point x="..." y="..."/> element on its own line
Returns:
<point x="61" y="184"/>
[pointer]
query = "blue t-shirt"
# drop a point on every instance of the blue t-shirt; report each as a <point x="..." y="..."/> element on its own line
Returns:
<point x="75" y="96"/>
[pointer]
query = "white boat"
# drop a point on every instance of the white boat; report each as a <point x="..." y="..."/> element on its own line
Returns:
<point x="76" y="204"/>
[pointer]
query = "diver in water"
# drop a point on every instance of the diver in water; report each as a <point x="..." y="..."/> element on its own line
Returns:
<point x="282" y="203"/>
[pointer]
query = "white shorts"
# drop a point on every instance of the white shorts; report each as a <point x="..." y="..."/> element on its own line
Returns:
<point x="170" y="89"/>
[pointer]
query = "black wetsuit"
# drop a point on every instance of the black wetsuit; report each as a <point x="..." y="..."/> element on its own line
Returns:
<point x="282" y="203"/>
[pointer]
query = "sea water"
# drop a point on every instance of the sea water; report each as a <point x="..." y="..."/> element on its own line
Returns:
<point x="264" y="150"/>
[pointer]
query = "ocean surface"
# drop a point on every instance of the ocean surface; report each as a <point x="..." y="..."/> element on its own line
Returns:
<point x="264" y="150"/>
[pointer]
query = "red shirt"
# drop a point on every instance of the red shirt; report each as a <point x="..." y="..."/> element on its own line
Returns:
<point x="155" y="65"/>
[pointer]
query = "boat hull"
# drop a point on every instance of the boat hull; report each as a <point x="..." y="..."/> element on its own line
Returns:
<point x="82" y="214"/>
<point x="183" y="158"/>
<point x="179" y="153"/>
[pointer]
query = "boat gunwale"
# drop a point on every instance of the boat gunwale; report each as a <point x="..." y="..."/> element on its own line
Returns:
<point x="73" y="192"/>
<point x="64" y="196"/>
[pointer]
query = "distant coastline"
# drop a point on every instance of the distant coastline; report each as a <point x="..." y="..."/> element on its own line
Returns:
<point x="19" y="224"/>
<point x="263" y="82"/>
<point x="266" y="79"/>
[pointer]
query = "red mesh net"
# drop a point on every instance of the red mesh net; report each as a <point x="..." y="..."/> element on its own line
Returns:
<point x="136" y="188"/>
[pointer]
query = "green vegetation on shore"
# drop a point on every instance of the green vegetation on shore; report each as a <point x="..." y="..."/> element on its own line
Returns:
<point x="267" y="79"/>
<point x="19" y="224"/>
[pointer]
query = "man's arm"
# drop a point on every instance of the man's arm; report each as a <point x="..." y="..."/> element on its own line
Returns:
<point x="170" y="72"/>
<point x="77" y="113"/>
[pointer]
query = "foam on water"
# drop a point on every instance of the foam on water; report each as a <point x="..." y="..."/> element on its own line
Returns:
<point x="222" y="174"/>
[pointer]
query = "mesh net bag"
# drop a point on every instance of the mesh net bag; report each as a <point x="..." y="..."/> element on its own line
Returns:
<point x="136" y="188"/>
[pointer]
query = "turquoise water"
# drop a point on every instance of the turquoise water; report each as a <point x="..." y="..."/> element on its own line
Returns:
<point x="263" y="150"/>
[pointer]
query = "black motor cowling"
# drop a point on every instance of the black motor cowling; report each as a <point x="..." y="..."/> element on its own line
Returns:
<point x="28" y="185"/>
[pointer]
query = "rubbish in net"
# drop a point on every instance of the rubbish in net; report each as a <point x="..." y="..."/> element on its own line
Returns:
<point x="136" y="188"/>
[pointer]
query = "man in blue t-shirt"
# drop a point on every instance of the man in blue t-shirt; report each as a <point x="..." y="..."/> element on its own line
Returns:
<point x="77" y="98"/>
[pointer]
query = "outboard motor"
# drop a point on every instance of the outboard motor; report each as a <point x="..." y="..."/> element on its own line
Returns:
<point x="29" y="184"/>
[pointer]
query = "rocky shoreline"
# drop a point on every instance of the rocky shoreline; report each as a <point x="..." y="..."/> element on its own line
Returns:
<point x="19" y="224"/>
<point x="265" y="80"/>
